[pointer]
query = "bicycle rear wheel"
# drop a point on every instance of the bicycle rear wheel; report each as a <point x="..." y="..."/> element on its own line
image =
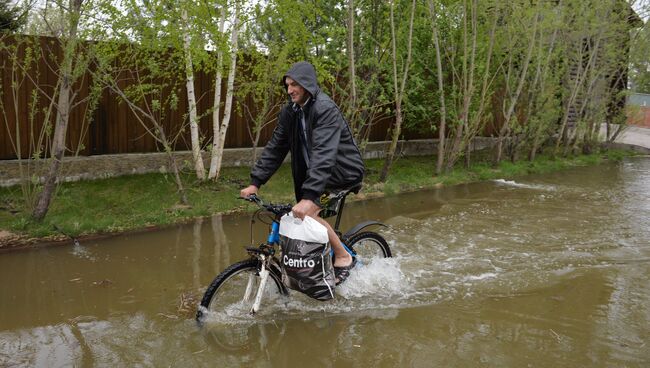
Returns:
<point x="368" y="245"/>
<point x="233" y="291"/>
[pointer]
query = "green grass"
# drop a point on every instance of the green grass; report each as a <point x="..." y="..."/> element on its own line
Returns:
<point x="140" y="201"/>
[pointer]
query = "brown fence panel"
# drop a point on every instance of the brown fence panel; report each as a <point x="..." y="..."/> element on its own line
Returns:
<point x="112" y="127"/>
<point x="20" y="85"/>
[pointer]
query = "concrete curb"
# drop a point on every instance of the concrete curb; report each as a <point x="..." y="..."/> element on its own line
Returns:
<point x="106" y="166"/>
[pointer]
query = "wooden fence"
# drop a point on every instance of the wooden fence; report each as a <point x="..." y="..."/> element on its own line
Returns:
<point x="110" y="128"/>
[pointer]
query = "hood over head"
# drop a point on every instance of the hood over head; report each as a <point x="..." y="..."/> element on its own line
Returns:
<point x="305" y="74"/>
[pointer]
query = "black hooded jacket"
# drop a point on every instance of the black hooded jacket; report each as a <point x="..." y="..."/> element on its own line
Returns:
<point x="334" y="158"/>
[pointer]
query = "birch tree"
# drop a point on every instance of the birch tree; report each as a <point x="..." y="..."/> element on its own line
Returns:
<point x="143" y="84"/>
<point x="191" y="99"/>
<point x="220" y="130"/>
<point x="140" y="69"/>
<point x="275" y="39"/>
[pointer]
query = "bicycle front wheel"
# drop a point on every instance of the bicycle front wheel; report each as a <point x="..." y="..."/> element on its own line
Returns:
<point x="233" y="291"/>
<point x="368" y="245"/>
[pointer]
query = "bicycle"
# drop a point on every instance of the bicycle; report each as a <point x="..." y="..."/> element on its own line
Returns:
<point x="250" y="276"/>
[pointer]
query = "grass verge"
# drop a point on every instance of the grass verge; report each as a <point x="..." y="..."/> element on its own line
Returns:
<point x="150" y="200"/>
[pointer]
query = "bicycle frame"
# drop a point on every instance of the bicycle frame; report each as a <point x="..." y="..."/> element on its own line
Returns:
<point x="265" y="252"/>
<point x="264" y="263"/>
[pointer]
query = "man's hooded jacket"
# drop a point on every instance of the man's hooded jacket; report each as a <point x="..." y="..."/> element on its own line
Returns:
<point x="333" y="160"/>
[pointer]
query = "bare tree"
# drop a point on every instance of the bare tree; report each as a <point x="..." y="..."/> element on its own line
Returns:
<point x="441" y="90"/>
<point x="399" y="88"/>
<point x="66" y="98"/>
<point x="352" y="66"/>
<point x="148" y="117"/>
<point x="505" y="129"/>
<point x="468" y="108"/>
<point x="540" y="111"/>
<point x="21" y="57"/>
<point x="582" y="49"/>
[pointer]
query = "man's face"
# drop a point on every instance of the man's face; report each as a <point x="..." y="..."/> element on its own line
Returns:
<point x="298" y="94"/>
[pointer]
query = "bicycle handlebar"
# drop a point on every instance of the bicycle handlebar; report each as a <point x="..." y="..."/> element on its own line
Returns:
<point x="278" y="209"/>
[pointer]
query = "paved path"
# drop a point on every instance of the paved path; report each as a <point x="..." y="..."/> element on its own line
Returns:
<point x="634" y="136"/>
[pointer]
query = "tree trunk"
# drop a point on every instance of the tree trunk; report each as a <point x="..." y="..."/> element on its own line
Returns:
<point x="174" y="166"/>
<point x="63" y="113"/>
<point x="441" y="91"/>
<point x="505" y="129"/>
<point x="58" y="148"/>
<point x="352" y="68"/>
<point x="229" y="95"/>
<point x="191" y="100"/>
<point x="538" y="132"/>
<point x="462" y="136"/>
<point x="577" y="86"/>
<point x="216" y="124"/>
<point x="399" y="90"/>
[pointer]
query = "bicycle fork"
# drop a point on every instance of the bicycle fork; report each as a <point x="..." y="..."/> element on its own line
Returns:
<point x="263" y="277"/>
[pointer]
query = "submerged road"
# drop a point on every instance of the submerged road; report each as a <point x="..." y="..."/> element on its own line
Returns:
<point x="549" y="270"/>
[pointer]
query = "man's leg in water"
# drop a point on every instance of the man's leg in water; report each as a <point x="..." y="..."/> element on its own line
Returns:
<point x="343" y="258"/>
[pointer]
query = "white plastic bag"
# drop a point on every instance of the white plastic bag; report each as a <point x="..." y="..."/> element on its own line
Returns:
<point x="306" y="261"/>
<point x="308" y="230"/>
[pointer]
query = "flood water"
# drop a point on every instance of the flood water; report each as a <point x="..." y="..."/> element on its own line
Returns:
<point x="545" y="271"/>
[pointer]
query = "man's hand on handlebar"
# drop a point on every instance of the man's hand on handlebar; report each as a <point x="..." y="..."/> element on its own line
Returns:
<point x="248" y="191"/>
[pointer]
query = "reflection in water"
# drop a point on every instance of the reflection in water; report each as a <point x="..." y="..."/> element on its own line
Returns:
<point x="545" y="270"/>
<point x="196" y="240"/>
<point x="245" y="337"/>
<point x="221" y="248"/>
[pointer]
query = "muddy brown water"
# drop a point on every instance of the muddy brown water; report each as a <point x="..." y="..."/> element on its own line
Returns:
<point x="545" y="271"/>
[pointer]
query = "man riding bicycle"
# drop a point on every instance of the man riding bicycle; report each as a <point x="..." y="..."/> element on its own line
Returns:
<point x="324" y="156"/>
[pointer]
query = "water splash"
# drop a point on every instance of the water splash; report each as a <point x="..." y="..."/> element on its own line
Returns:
<point x="381" y="277"/>
<point x="81" y="251"/>
<point x="513" y="183"/>
<point x="368" y="288"/>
